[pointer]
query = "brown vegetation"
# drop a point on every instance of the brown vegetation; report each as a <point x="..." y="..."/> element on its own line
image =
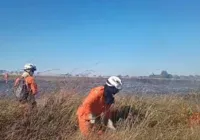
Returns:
<point x="142" y="118"/>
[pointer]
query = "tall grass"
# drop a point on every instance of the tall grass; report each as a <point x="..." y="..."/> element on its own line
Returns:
<point x="149" y="118"/>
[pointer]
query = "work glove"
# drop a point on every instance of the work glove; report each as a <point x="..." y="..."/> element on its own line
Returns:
<point x="110" y="124"/>
<point x="92" y="118"/>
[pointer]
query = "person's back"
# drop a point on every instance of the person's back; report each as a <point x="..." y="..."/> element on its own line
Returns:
<point x="28" y="89"/>
<point x="30" y="81"/>
<point x="32" y="87"/>
<point x="94" y="103"/>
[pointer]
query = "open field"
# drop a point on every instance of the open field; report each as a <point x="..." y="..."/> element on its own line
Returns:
<point x="159" y="115"/>
<point x="162" y="117"/>
<point x="131" y="86"/>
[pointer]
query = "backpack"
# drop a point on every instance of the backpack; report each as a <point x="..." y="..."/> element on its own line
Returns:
<point x="21" y="90"/>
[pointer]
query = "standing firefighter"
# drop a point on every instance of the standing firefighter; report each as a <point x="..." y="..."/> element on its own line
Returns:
<point x="26" y="87"/>
<point x="6" y="77"/>
<point x="98" y="102"/>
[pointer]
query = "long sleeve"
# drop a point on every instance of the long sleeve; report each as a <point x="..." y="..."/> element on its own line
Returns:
<point x="16" y="82"/>
<point x="108" y="112"/>
<point x="32" y="85"/>
<point x="34" y="88"/>
<point x="89" y="103"/>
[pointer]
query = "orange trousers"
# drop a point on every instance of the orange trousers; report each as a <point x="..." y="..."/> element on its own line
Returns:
<point x="87" y="128"/>
<point x="84" y="126"/>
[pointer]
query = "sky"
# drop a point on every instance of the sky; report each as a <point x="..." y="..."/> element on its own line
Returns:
<point x="109" y="37"/>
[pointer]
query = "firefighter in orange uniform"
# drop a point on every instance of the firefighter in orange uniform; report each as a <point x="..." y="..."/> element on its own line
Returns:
<point x="97" y="102"/>
<point x="31" y="86"/>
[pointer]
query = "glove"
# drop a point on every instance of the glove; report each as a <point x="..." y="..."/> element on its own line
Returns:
<point x="110" y="124"/>
<point x="92" y="118"/>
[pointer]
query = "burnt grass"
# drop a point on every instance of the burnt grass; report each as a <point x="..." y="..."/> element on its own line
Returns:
<point x="82" y="85"/>
<point x="146" y="109"/>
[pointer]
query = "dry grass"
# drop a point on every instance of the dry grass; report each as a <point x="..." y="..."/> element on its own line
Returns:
<point x="150" y="118"/>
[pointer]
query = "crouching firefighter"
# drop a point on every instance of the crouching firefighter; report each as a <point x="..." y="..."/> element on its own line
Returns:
<point x="98" y="102"/>
<point x="26" y="87"/>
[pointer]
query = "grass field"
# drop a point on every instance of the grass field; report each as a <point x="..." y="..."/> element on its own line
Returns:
<point x="163" y="117"/>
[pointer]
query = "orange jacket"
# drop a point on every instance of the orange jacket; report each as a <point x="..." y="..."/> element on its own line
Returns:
<point x="194" y="119"/>
<point x="94" y="104"/>
<point x="30" y="81"/>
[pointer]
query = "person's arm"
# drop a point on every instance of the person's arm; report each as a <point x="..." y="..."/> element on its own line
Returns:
<point x="33" y="85"/>
<point x="107" y="112"/>
<point x="107" y="119"/>
<point x="17" y="82"/>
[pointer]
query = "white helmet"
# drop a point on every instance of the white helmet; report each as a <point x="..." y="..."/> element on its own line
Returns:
<point x="114" y="81"/>
<point x="30" y="67"/>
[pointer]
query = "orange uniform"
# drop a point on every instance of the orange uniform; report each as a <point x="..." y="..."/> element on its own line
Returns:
<point x="30" y="81"/>
<point x="28" y="97"/>
<point x="194" y="119"/>
<point x="93" y="104"/>
<point x="31" y="84"/>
